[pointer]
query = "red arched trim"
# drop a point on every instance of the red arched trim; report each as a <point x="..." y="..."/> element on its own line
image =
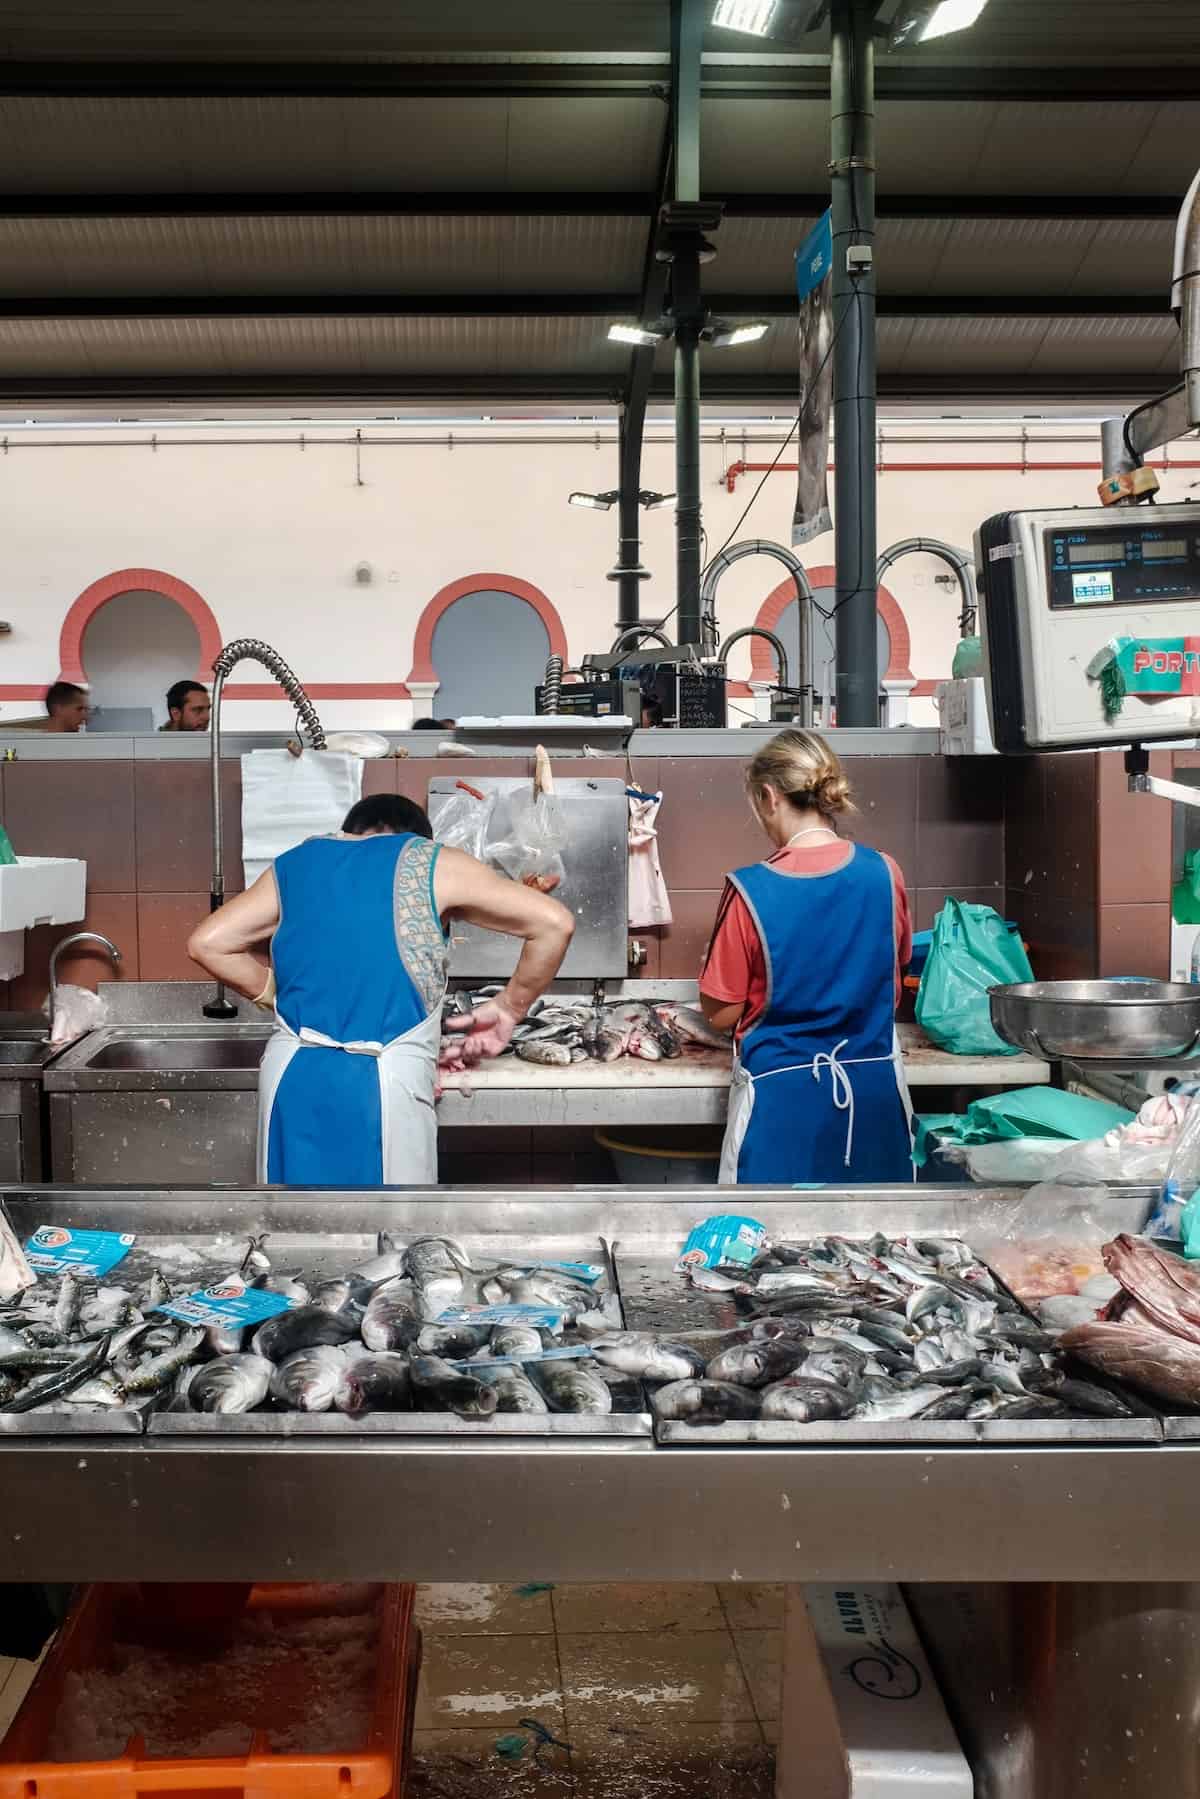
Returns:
<point x="423" y="669"/>
<point x="135" y="580"/>
<point x="762" y="662"/>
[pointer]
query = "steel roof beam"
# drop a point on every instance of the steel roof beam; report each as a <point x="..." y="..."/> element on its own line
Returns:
<point x="554" y="306"/>
<point x="624" y="204"/>
<point x="615" y="75"/>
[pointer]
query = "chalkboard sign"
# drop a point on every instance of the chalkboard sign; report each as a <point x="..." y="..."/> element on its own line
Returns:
<point x="701" y="700"/>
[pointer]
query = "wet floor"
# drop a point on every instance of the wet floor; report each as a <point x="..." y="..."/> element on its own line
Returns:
<point x="651" y="1692"/>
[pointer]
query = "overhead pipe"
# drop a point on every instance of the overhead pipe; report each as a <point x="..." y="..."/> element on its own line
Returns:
<point x="763" y="546"/>
<point x="1172" y="414"/>
<point x="959" y="561"/>
<point x="638" y="633"/>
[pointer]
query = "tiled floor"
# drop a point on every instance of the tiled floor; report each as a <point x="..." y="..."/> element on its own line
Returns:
<point x="653" y="1692"/>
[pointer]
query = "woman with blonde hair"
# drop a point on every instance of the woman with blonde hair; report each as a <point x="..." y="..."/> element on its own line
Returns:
<point x="804" y="964"/>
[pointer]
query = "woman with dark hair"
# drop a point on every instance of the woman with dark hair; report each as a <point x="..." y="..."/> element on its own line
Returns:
<point x="344" y="941"/>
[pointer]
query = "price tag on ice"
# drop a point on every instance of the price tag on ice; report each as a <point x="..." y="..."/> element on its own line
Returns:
<point x="541" y="1316"/>
<point x="588" y="1272"/>
<point x="230" y="1302"/>
<point x="53" y="1249"/>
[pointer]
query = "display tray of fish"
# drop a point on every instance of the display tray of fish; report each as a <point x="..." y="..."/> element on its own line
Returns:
<point x="563" y="1029"/>
<point x="428" y="1337"/>
<point x="847" y="1340"/>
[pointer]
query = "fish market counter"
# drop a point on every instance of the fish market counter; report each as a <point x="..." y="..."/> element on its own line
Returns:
<point x="278" y="1495"/>
<point x="691" y="1088"/>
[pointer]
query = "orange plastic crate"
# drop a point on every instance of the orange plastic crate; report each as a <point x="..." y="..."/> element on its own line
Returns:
<point x="375" y="1769"/>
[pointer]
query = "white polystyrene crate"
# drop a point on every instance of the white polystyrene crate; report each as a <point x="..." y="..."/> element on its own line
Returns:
<point x="963" y="724"/>
<point x="38" y="890"/>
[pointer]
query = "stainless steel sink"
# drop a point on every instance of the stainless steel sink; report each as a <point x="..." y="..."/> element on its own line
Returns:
<point x="24" y="1052"/>
<point x="155" y="1104"/>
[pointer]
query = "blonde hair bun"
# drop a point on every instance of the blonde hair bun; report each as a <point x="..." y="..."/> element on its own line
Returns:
<point x="800" y="766"/>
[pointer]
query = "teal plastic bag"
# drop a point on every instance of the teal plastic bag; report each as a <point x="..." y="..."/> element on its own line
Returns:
<point x="973" y="950"/>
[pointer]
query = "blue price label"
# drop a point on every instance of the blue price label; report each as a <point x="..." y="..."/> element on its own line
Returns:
<point x="541" y="1316"/>
<point x="53" y="1249"/>
<point x="230" y="1302"/>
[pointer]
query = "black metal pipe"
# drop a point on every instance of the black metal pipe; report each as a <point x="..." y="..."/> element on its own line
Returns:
<point x="852" y="167"/>
<point x="687" y="477"/>
<point x="629" y="573"/>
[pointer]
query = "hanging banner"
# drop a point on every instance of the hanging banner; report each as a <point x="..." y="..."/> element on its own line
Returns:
<point x="814" y="270"/>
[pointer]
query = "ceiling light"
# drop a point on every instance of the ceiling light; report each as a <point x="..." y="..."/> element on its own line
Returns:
<point x="598" y="502"/>
<point x="653" y="502"/>
<point x="921" y="20"/>
<point x="753" y="16"/>
<point x="723" y="335"/>
<point x="645" y="335"/>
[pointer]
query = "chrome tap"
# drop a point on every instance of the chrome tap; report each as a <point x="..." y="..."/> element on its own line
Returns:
<point x="66" y="943"/>
<point x="246" y="649"/>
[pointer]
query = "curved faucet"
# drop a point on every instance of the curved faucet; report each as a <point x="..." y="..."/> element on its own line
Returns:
<point x="763" y="546"/>
<point x="758" y="631"/>
<point x="56" y="952"/>
<point x="247" y="649"/>
<point x="956" y="559"/>
<point x="640" y="633"/>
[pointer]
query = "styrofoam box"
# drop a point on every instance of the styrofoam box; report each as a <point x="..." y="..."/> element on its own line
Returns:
<point x="42" y="890"/>
<point x="1183" y="944"/>
<point x="897" y="1739"/>
<point x="963" y="723"/>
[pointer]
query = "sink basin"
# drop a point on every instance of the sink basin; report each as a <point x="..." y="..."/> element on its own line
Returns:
<point x="177" y="1054"/>
<point x="20" y="1052"/>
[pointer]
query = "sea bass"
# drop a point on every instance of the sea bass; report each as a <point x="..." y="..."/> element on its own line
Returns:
<point x="704" y="1402"/>
<point x="373" y="1383"/>
<point x="306" y="1380"/>
<point x="233" y="1383"/>
<point x="441" y="1388"/>
<point x="647" y="1356"/>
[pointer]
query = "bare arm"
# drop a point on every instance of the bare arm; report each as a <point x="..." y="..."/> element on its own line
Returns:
<point x="464" y="888"/>
<point x="231" y="944"/>
<point x="720" y="1014"/>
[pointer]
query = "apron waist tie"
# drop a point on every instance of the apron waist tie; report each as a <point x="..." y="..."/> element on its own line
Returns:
<point x="310" y="1039"/>
<point x="843" y="1087"/>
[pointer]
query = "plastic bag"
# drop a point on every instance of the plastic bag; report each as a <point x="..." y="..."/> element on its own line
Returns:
<point x="77" y="1010"/>
<point x="532" y="852"/>
<point x="973" y="950"/>
<point x="1016" y="1161"/>
<point x="1050" y="1242"/>
<point x="460" y="819"/>
<point x="1177" y="1211"/>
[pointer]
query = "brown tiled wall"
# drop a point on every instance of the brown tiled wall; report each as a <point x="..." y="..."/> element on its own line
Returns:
<point x="144" y="830"/>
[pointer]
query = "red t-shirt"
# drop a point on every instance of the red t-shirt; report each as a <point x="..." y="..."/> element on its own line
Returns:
<point x="735" y="969"/>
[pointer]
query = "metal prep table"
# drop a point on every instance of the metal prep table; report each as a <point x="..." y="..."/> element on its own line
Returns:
<point x="366" y="1504"/>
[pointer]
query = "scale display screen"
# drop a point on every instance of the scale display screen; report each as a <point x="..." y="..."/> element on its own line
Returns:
<point x="1140" y="564"/>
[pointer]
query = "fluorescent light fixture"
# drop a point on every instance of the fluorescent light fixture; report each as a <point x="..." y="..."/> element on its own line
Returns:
<point x="645" y="335"/>
<point x="598" y="502"/>
<point x="753" y="16"/>
<point x="921" y="20"/>
<point x="726" y="336"/>
<point x="653" y="502"/>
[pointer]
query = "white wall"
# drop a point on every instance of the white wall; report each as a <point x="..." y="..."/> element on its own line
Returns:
<point x="269" y="533"/>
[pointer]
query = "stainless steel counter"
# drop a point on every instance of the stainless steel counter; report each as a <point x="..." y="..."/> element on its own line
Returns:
<point x="469" y="1507"/>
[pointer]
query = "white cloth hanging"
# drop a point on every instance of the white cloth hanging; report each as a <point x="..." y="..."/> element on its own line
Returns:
<point x="287" y="799"/>
<point x="649" y="901"/>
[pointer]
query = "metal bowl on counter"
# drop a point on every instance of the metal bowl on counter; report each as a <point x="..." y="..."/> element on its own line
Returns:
<point x="1122" y="1022"/>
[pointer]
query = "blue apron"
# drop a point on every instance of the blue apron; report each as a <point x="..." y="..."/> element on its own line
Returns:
<point x="346" y="1088"/>
<point x="818" y="1093"/>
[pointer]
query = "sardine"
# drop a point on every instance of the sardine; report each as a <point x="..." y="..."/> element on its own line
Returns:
<point x="68" y="1304"/>
<point x="647" y="1356"/>
<point x="233" y="1383"/>
<point x="704" y="1401"/>
<point x="60" y="1382"/>
<point x="442" y="1388"/>
<point x="390" y="1321"/>
<point x="571" y="1387"/>
<point x="514" y="1390"/>
<point x="160" y="1370"/>
<point x="307" y="1327"/>
<point x="156" y="1292"/>
<point x="307" y="1380"/>
<point x="801" y="1400"/>
<point x="373" y="1383"/>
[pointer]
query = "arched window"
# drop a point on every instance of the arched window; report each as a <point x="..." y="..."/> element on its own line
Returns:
<point x="779" y="612"/>
<point x="133" y="633"/>
<point x="482" y="642"/>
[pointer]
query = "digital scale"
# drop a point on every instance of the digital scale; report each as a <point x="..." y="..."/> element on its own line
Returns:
<point x="1090" y="621"/>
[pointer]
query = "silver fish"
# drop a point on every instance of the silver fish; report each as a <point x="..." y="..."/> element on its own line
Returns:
<point x="458" y="1341"/>
<point x="800" y="1399"/>
<point x="306" y="1327"/>
<point x="224" y="1339"/>
<point x="441" y="1388"/>
<point x="515" y="1340"/>
<point x="832" y="1361"/>
<point x="373" y="1383"/>
<point x="307" y="1379"/>
<point x="571" y="1387"/>
<point x="286" y="1285"/>
<point x="704" y="1401"/>
<point x="68" y="1304"/>
<point x="426" y="1253"/>
<point x="233" y="1383"/>
<point x="390" y="1320"/>
<point x="160" y="1370"/>
<point x="692" y="1027"/>
<point x="514" y="1389"/>
<point x="900" y="1402"/>
<point x="649" y="1357"/>
<point x="59" y="1382"/>
<point x="107" y="1310"/>
<point x="547" y="1051"/>
<point x="156" y="1292"/>
<point x="757" y="1364"/>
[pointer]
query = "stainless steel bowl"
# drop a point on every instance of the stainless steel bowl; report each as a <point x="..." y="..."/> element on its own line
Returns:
<point x="1123" y="1022"/>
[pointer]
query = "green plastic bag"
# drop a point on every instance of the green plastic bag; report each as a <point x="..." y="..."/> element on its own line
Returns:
<point x="968" y="658"/>
<point x="1185" y="895"/>
<point x="973" y="950"/>
<point x="7" y="853"/>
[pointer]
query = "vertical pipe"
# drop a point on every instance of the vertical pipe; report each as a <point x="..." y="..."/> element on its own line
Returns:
<point x="1114" y="457"/>
<point x="852" y="90"/>
<point x="629" y="571"/>
<point x="687" y="40"/>
<point x="687" y="475"/>
<point x="687" y="45"/>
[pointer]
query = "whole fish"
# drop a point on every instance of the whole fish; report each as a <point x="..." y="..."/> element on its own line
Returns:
<point x="440" y="1388"/>
<point x="571" y="1387"/>
<point x="390" y="1320"/>
<point x="68" y="1304"/>
<point x="832" y="1361"/>
<point x="602" y="1041"/>
<point x="232" y="1383"/>
<point x="884" y="1400"/>
<point x="954" y="1404"/>
<point x="758" y="1364"/>
<point x="102" y="1392"/>
<point x="373" y="1383"/>
<point x="457" y="1342"/>
<point x="386" y="1263"/>
<point x="29" y="1356"/>
<point x="547" y="1051"/>
<point x="256" y="1261"/>
<point x="647" y="1356"/>
<point x="60" y="1382"/>
<point x="160" y="1370"/>
<point x="711" y="1280"/>
<point x="515" y="1392"/>
<point x="306" y="1380"/>
<point x="1142" y="1356"/>
<point x="704" y="1401"/>
<point x="306" y="1327"/>
<point x="691" y="1026"/>
<point x="107" y="1310"/>
<point x="1033" y="1405"/>
<point x="426" y="1253"/>
<point x="1084" y="1396"/>
<point x="515" y="1340"/>
<point x="156" y="1292"/>
<point x="949" y="1374"/>
<point x="800" y="1400"/>
<point x="285" y="1284"/>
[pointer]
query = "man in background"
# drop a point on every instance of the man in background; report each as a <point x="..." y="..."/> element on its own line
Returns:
<point x="66" y="707"/>
<point x="188" y="707"/>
